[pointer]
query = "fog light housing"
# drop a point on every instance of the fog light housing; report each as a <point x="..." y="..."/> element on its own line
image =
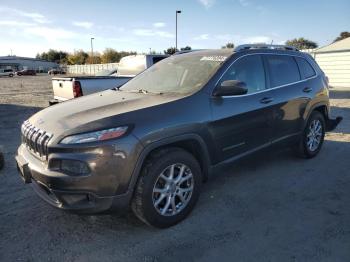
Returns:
<point x="72" y="167"/>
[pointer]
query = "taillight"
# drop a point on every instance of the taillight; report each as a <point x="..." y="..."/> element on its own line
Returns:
<point x="77" y="89"/>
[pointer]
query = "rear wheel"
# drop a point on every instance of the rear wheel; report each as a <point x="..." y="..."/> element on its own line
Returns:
<point x="10" y="75"/>
<point x="168" y="188"/>
<point x="313" y="136"/>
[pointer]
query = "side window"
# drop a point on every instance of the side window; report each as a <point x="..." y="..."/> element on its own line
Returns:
<point x="157" y="59"/>
<point x="306" y="70"/>
<point x="283" y="70"/>
<point x="248" y="69"/>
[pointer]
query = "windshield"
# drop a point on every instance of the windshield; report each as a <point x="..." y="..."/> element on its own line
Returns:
<point x="180" y="74"/>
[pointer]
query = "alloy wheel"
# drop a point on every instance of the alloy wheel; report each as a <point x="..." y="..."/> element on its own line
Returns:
<point x="173" y="189"/>
<point x="314" y="136"/>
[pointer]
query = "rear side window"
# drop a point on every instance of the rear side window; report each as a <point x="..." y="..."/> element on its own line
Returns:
<point x="283" y="70"/>
<point x="248" y="69"/>
<point x="306" y="70"/>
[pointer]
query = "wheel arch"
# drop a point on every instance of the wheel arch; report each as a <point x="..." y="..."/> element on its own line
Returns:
<point x="322" y="107"/>
<point x="192" y="143"/>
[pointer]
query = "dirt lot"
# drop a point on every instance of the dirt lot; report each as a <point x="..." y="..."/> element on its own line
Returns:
<point x="271" y="207"/>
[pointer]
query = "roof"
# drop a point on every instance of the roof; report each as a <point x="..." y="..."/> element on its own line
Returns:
<point x="206" y="52"/>
<point x="339" y="46"/>
<point x="22" y="58"/>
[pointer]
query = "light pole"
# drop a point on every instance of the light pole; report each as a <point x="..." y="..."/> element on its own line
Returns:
<point x="92" y="51"/>
<point x="177" y="12"/>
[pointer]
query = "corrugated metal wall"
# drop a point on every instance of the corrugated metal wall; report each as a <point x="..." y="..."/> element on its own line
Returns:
<point x="336" y="66"/>
<point x="90" y="69"/>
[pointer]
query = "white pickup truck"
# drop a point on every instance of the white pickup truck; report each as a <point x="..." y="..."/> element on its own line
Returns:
<point x="65" y="88"/>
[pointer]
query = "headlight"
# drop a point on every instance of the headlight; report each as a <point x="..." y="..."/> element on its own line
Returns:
<point x="95" y="136"/>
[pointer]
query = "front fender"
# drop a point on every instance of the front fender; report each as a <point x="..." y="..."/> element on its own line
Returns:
<point x="168" y="141"/>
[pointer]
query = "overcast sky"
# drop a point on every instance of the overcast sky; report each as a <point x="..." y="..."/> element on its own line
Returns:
<point x="29" y="27"/>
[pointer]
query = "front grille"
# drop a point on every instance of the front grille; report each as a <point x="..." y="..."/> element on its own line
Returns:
<point x="35" y="139"/>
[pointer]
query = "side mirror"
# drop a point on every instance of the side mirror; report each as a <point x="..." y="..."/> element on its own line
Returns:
<point x="231" y="88"/>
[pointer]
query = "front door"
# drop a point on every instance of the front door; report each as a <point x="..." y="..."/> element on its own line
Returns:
<point x="241" y="124"/>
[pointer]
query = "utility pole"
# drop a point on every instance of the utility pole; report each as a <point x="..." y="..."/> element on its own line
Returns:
<point x="177" y="12"/>
<point x="92" y="51"/>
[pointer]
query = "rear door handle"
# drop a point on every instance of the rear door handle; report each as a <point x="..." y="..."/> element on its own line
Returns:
<point x="266" y="100"/>
<point x="307" y="89"/>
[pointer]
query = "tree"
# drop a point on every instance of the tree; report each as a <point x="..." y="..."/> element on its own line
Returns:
<point x="54" y="56"/>
<point x="170" y="51"/>
<point x="96" y="59"/>
<point x="186" y="48"/>
<point x="302" y="43"/>
<point x="228" y="45"/>
<point x="112" y="56"/>
<point x="342" y="36"/>
<point x="78" y="57"/>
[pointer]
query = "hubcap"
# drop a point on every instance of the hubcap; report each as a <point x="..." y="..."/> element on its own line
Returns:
<point x="173" y="190"/>
<point x="314" y="135"/>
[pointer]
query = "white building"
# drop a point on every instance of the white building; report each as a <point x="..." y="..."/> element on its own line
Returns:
<point x="19" y="63"/>
<point x="334" y="60"/>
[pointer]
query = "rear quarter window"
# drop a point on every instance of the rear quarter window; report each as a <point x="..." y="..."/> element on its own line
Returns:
<point x="283" y="70"/>
<point x="306" y="70"/>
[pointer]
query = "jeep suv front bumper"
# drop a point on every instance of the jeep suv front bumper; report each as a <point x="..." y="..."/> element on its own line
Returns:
<point x="104" y="187"/>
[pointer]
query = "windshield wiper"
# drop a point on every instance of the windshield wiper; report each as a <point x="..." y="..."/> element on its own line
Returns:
<point x="144" y="91"/>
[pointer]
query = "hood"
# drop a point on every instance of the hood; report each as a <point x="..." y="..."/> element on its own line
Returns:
<point x="86" y="113"/>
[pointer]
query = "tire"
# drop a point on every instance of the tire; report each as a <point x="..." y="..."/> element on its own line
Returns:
<point x="306" y="148"/>
<point x="163" y="162"/>
<point x="10" y="75"/>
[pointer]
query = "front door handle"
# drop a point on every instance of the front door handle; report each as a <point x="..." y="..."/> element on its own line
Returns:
<point x="307" y="89"/>
<point x="266" y="100"/>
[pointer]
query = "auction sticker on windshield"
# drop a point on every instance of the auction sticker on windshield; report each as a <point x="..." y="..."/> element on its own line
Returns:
<point x="214" y="58"/>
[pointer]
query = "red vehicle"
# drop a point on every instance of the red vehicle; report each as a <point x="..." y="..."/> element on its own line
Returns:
<point x="26" y="72"/>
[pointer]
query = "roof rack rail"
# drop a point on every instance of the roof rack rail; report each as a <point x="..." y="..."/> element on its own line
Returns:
<point x="264" y="46"/>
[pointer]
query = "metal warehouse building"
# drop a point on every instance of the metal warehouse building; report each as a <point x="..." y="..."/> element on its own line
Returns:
<point x="20" y="63"/>
<point x="334" y="60"/>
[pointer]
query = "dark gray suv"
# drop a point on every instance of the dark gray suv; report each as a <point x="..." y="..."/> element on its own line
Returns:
<point x="151" y="143"/>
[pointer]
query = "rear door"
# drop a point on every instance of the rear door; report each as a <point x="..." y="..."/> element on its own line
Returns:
<point x="290" y="96"/>
<point x="242" y="123"/>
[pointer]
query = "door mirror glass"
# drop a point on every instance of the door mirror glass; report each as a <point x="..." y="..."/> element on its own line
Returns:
<point x="231" y="88"/>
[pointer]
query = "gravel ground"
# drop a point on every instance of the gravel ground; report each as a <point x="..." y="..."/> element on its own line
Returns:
<point x="270" y="207"/>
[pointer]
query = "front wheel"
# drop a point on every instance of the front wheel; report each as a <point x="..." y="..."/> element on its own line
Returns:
<point x="313" y="136"/>
<point x="168" y="188"/>
<point x="10" y="75"/>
